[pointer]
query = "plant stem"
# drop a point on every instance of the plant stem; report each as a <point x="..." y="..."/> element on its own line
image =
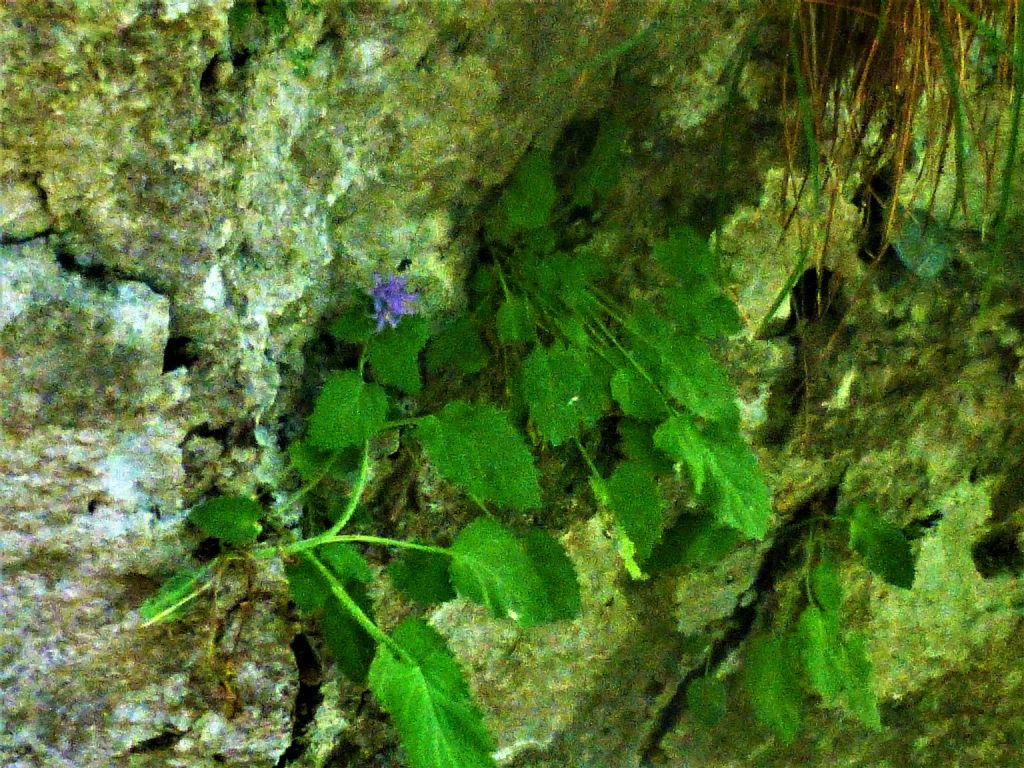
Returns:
<point x="338" y="590"/>
<point x="357" y="492"/>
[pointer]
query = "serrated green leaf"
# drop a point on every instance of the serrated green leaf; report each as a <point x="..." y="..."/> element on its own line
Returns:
<point x="232" y="519"/>
<point x="636" y="396"/>
<point x="769" y="676"/>
<point x="427" y="697"/>
<point x="477" y="447"/>
<point x="457" y="347"/>
<point x="516" y="321"/>
<point x="349" y="643"/>
<point x="565" y="389"/>
<point x="556" y="572"/>
<point x="722" y="464"/>
<point x="355" y="325"/>
<point x="393" y="354"/>
<point x="883" y="546"/>
<point x="347" y="412"/>
<point x="490" y="566"/>
<point x="706" y="698"/>
<point x="422" y="576"/>
<point x="837" y="666"/>
<point x="692" y="376"/>
<point x="600" y="173"/>
<point x="174" y="596"/>
<point x="631" y="494"/>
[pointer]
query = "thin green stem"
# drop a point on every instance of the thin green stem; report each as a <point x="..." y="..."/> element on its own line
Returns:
<point x="357" y="492"/>
<point x="321" y="540"/>
<point x="338" y="590"/>
<point x="307" y="487"/>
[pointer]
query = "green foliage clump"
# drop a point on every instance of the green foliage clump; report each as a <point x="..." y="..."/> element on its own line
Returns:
<point x="579" y="365"/>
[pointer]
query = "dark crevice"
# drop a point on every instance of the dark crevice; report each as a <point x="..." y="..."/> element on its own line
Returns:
<point x="160" y="742"/>
<point x="100" y="273"/>
<point x="6" y="239"/>
<point x="307" y="699"/>
<point x="782" y="556"/>
<point x="998" y="553"/>
<point x="179" y="352"/>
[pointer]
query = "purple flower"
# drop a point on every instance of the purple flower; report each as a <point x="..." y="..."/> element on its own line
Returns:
<point x="391" y="300"/>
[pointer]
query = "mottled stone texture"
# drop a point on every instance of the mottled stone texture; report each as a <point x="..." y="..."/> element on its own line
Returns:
<point x="190" y="189"/>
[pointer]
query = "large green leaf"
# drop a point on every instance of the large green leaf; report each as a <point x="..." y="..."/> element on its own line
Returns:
<point x="423" y="690"/>
<point x="490" y="566"/>
<point x="883" y="546"/>
<point x="232" y="519"/>
<point x="477" y="447"/>
<point x="565" y="389"/>
<point x="723" y="469"/>
<point x="347" y="412"/>
<point x="394" y="354"/>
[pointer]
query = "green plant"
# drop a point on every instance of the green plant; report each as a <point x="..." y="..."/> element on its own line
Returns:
<point x="808" y="647"/>
<point x="575" y="362"/>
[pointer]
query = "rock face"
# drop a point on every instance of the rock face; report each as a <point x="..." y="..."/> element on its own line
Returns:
<point x="190" y="190"/>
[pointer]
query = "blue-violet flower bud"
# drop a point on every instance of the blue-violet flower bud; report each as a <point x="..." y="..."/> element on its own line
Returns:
<point x="391" y="300"/>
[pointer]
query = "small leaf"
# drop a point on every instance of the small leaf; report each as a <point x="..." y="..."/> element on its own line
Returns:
<point x="393" y="354"/>
<point x="345" y="562"/>
<point x="515" y="321"/>
<point x="458" y="346"/>
<point x="173" y="597"/>
<point x="636" y="503"/>
<point x="883" y="546"/>
<point x="769" y="675"/>
<point x="356" y="325"/>
<point x="693" y="540"/>
<point x="477" y="447"/>
<point x="422" y="576"/>
<point x="706" y="698"/>
<point x="637" y="396"/>
<point x="306" y="585"/>
<point x="528" y="199"/>
<point x="427" y="697"/>
<point x="837" y="666"/>
<point x="825" y="586"/>
<point x="232" y="519"/>
<point x="347" y="412"/>
<point x="557" y="574"/>
<point x="565" y="389"/>
<point x="685" y="255"/>
<point x="600" y="173"/>
<point x="490" y="566"/>
<point x="637" y="444"/>
<point x="349" y="643"/>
